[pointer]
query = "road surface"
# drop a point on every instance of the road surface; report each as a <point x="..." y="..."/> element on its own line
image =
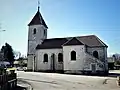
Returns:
<point x="54" y="81"/>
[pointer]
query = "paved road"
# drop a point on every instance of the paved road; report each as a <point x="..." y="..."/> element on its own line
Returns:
<point x="53" y="81"/>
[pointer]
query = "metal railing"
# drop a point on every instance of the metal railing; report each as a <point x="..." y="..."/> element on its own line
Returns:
<point x="8" y="81"/>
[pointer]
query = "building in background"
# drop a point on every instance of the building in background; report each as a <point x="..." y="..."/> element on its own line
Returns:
<point x="21" y="62"/>
<point x="111" y="62"/>
<point x="114" y="62"/>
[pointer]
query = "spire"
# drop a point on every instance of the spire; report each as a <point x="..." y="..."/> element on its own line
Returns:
<point x="38" y="5"/>
<point x="38" y="19"/>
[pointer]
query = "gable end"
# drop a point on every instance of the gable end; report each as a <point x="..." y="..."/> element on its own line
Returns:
<point x="73" y="41"/>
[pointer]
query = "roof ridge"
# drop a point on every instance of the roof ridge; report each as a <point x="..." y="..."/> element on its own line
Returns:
<point x="73" y="37"/>
<point x="55" y="38"/>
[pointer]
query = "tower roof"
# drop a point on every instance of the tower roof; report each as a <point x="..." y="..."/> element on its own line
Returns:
<point x="37" y="20"/>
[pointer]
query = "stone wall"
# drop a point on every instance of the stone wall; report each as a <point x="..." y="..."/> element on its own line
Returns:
<point x="102" y="54"/>
<point x="80" y="56"/>
<point x="41" y="65"/>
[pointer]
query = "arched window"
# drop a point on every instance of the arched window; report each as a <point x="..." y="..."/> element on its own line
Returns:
<point x="44" y="32"/>
<point x="60" y="57"/>
<point x="45" y="58"/>
<point x="95" y="54"/>
<point x="73" y="55"/>
<point x="34" y="31"/>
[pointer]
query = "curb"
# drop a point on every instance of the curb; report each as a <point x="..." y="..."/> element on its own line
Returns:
<point x="24" y="84"/>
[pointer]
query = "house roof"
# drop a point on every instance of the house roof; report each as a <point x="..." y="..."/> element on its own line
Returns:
<point x="91" y="41"/>
<point x="37" y="20"/>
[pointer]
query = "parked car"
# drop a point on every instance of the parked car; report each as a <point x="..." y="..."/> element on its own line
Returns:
<point x="19" y="69"/>
<point x="4" y="64"/>
<point x="24" y="68"/>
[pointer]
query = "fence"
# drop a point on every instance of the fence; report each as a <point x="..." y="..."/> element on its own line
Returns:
<point x="8" y="81"/>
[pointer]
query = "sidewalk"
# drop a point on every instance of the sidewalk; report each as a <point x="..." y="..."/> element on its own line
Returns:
<point x="23" y="85"/>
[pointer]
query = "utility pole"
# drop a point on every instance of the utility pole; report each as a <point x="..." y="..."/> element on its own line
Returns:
<point x="1" y="30"/>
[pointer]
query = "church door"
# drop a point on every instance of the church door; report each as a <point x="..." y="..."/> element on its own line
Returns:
<point x="53" y="62"/>
<point x="93" y="67"/>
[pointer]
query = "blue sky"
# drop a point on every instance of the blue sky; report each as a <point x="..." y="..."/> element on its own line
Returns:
<point x="64" y="18"/>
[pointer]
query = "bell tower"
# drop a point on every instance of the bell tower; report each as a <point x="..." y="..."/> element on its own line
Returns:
<point x="37" y="32"/>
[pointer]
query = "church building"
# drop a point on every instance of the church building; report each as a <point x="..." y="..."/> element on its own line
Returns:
<point x="77" y="54"/>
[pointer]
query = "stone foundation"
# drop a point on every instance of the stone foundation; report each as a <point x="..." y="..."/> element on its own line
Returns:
<point x="46" y="71"/>
<point x="81" y="72"/>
